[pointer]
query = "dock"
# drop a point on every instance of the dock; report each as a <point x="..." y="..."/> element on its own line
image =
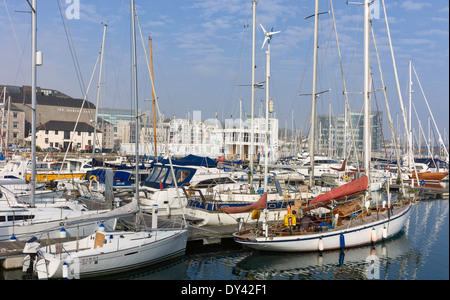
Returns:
<point x="428" y="192"/>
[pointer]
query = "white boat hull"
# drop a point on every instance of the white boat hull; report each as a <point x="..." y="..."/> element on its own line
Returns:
<point x="121" y="251"/>
<point x="331" y="240"/>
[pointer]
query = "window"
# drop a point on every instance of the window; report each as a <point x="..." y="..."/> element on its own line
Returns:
<point x="15" y="125"/>
<point x="46" y="132"/>
<point x="67" y="135"/>
<point x="46" y="140"/>
<point x="14" y="115"/>
<point x="56" y="132"/>
<point x="79" y="133"/>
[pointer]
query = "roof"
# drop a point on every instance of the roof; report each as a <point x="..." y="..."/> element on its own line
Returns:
<point x="66" y="126"/>
<point x="22" y="95"/>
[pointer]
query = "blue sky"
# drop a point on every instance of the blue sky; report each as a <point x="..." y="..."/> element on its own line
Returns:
<point x="202" y="54"/>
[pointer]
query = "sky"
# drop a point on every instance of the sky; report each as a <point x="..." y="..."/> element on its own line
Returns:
<point x="202" y="55"/>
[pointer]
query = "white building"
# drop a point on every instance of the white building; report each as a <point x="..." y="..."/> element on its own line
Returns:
<point x="212" y="139"/>
<point x="59" y="134"/>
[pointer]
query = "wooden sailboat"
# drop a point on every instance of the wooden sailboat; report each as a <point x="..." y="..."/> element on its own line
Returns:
<point x="345" y="217"/>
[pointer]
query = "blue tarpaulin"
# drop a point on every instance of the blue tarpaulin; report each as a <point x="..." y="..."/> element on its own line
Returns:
<point x="192" y="160"/>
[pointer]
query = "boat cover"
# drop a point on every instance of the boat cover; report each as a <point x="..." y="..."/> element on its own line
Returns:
<point x="192" y="160"/>
<point x="260" y="204"/>
<point x="358" y="185"/>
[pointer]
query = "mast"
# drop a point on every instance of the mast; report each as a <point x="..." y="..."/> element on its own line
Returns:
<point x="266" y="143"/>
<point x="252" y="131"/>
<point x="410" y="152"/>
<point x="314" y="96"/>
<point x="135" y="91"/>
<point x="33" y="101"/>
<point x="154" y="96"/>
<point x="98" y="91"/>
<point x="367" y="126"/>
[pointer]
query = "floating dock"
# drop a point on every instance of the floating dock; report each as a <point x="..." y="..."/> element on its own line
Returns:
<point x="428" y="192"/>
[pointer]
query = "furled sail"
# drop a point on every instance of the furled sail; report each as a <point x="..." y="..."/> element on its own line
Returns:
<point x="358" y="185"/>
<point x="260" y="204"/>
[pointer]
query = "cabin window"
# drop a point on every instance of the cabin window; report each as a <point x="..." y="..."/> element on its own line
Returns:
<point x="20" y="217"/>
<point x="163" y="174"/>
<point x="182" y="175"/>
<point x="154" y="174"/>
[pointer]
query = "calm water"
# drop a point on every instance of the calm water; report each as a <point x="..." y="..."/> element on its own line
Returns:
<point x="421" y="252"/>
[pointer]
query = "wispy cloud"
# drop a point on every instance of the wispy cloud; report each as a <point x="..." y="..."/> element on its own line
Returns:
<point x="411" y="5"/>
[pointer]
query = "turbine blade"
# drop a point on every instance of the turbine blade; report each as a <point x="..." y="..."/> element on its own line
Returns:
<point x="265" y="40"/>
<point x="265" y="32"/>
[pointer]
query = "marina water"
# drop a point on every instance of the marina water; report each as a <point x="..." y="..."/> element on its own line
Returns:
<point x="421" y="252"/>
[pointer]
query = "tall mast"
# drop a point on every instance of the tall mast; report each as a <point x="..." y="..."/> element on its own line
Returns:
<point x="135" y="91"/>
<point x="98" y="91"/>
<point x="314" y="96"/>
<point x="252" y="133"/>
<point x="153" y="96"/>
<point x="367" y="150"/>
<point x="33" y="101"/>
<point x="410" y="152"/>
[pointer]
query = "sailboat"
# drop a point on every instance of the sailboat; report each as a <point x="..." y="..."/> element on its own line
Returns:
<point x="104" y="252"/>
<point x="108" y="251"/>
<point x="341" y="218"/>
<point x="21" y="221"/>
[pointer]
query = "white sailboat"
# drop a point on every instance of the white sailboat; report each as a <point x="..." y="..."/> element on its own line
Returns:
<point x="341" y="218"/>
<point x="108" y="251"/>
<point x="20" y="221"/>
<point x="104" y="252"/>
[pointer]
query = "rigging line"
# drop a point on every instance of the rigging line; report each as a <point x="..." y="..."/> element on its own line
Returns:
<point x="432" y="117"/>
<point x="391" y="124"/>
<point x="379" y="119"/>
<point x="347" y="104"/>
<point x="71" y="47"/>
<point x="79" y="115"/>
<point x="423" y="133"/>
<point x="159" y="116"/>
<point x="19" y="69"/>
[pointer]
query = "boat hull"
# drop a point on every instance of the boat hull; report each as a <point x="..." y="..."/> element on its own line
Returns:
<point x="331" y="240"/>
<point x="110" y="259"/>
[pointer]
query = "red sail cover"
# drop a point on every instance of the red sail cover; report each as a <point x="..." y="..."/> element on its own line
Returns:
<point x="355" y="186"/>
<point x="260" y="204"/>
<point x="342" y="168"/>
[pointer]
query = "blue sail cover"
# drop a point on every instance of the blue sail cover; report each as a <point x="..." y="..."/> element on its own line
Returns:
<point x="192" y="160"/>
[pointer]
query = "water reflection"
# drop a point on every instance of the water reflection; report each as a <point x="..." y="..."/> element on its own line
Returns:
<point x="359" y="263"/>
<point x="420" y="252"/>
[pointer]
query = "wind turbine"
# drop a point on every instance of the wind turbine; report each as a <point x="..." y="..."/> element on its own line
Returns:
<point x="268" y="35"/>
<point x="266" y="145"/>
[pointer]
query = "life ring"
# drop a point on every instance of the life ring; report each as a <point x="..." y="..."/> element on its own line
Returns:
<point x="346" y="178"/>
<point x="290" y="220"/>
<point x="256" y="213"/>
<point x="93" y="177"/>
<point x="191" y="190"/>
